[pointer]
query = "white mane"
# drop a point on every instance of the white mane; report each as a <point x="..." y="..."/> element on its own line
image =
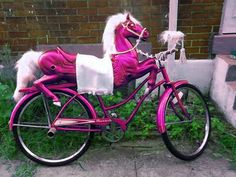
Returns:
<point x="109" y="31"/>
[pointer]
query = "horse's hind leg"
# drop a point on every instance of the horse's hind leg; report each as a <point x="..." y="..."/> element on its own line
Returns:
<point x="40" y="85"/>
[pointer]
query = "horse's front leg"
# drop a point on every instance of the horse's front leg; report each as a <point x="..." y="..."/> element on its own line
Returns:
<point x="147" y="66"/>
<point x="40" y="85"/>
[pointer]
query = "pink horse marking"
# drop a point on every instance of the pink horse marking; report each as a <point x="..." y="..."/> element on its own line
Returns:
<point x="58" y="65"/>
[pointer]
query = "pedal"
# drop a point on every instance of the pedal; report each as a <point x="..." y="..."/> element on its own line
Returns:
<point x="113" y="132"/>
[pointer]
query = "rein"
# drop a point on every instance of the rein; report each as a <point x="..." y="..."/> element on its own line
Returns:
<point x="137" y="41"/>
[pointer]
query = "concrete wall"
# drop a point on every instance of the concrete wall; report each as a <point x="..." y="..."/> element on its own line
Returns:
<point x="197" y="72"/>
<point x="222" y="92"/>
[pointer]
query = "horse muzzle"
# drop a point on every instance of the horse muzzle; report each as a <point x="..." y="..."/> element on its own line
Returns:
<point x="145" y="35"/>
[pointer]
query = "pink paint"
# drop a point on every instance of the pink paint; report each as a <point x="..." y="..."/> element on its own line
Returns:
<point x="160" y="119"/>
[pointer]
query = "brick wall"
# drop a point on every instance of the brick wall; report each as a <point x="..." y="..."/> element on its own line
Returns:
<point x="26" y="23"/>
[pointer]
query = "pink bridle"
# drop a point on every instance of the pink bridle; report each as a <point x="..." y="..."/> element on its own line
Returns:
<point x="137" y="41"/>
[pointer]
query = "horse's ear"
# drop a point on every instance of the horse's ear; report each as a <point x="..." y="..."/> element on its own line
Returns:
<point x="128" y="17"/>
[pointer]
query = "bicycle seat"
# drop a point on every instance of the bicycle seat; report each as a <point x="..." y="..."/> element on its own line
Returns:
<point x="68" y="56"/>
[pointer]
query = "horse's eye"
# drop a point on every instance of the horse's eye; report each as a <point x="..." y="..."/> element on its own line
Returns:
<point x="131" y="24"/>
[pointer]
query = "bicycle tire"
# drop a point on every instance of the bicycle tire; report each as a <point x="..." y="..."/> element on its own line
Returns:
<point x="36" y="144"/>
<point x="198" y="129"/>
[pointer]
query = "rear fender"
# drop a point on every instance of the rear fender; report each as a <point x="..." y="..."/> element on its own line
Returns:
<point x="28" y="96"/>
<point x="160" y="119"/>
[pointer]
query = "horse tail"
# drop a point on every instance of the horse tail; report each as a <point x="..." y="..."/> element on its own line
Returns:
<point x="26" y="67"/>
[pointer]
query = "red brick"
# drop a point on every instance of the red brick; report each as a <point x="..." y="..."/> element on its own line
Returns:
<point x="64" y="40"/>
<point x="45" y="11"/>
<point x="3" y="27"/>
<point x="3" y="35"/>
<point x="22" y="48"/>
<point x="29" y="42"/>
<point x="18" y="34"/>
<point x="12" y="5"/>
<point x="201" y="29"/>
<point x="96" y="32"/>
<point x="55" y="4"/>
<point x="83" y="40"/>
<point x="200" y="43"/>
<point x="36" y="19"/>
<point x="185" y="2"/>
<point x="23" y="12"/>
<point x="33" y="5"/>
<point x="78" y="18"/>
<point x="66" y="11"/>
<point x="57" y="19"/>
<point x="158" y="2"/>
<point x="184" y="22"/>
<point x="86" y="11"/>
<point x="44" y="40"/>
<point x="69" y="26"/>
<point x="201" y="15"/>
<point x="86" y="26"/>
<point x="76" y="4"/>
<point x="192" y="49"/>
<point x="197" y="36"/>
<point x="100" y="3"/>
<point x="58" y="34"/>
<point x="108" y="10"/>
<point x="76" y="33"/>
<point x="49" y="26"/>
<point x="185" y="29"/>
<point x="204" y="49"/>
<point x="198" y="56"/>
<point x="19" y="20"/>
<point x="3" y="42"/>
<point x="97" y="18"/>
<point x="115" y="3"/>
<point x="38" y="33"/>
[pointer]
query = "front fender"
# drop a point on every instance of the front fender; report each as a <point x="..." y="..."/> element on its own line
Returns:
<point x="160" y="119"/>
<point x="28" y="96"/>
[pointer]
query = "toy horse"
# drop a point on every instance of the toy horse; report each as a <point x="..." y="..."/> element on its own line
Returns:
<point x="59" y="65"/>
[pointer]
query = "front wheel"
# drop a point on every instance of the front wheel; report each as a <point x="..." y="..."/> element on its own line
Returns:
<point x="188" y="129"/>
<point x="32" y="123"/>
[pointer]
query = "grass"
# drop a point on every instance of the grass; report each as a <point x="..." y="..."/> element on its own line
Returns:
<point x="25" y="169"/>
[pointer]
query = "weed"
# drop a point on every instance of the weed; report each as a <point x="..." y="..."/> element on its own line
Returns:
<point x="25" y="169"/>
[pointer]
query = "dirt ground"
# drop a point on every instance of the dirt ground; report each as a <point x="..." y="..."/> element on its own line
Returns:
<point x="129" y="159"/>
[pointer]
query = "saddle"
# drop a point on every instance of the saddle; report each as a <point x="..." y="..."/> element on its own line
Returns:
<point x="71" y="58"/>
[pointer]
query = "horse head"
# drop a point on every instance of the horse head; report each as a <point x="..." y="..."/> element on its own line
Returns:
<point x="118" y="26"/>
<point x="132" y="28"/>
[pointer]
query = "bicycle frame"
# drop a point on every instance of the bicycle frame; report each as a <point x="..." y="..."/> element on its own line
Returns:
<point x="69" y="123"/>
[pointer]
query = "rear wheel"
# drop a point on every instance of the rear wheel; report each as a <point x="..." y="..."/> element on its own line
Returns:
<point x="186" y="133"/>
<point x="31" y="126"/>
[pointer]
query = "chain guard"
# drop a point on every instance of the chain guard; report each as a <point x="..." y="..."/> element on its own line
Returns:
<point x="113" y="132"/>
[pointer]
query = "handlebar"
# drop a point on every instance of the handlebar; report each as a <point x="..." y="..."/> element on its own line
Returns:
<point x="163" y="55"/>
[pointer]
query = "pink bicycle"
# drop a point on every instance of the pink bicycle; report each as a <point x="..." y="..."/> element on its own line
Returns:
<point x="53" y="124"/>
